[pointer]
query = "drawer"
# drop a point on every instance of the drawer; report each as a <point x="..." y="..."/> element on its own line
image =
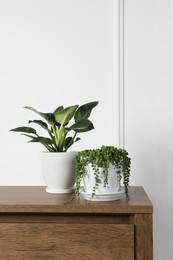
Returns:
<point x="66" y="241"/>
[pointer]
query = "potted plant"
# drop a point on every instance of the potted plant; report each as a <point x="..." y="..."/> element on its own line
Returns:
<point x="58" y="174"/>
<point x="101" y="171"/>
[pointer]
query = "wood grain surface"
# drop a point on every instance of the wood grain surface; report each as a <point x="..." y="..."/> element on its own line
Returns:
<point x="143" y="236"/>
<point x="36" y="199"/>
<point x="66" y="241"/>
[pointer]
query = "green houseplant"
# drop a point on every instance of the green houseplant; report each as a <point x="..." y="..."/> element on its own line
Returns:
<point x="61" y="127"/>
<point x="103" y="162"/>
<point x="56" y="125"/>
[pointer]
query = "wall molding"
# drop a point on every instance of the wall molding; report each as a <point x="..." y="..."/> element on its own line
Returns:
<point x="121" y="77"/>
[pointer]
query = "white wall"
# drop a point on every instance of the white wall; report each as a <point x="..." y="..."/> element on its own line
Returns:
<point x="52" y="53"/>
<point x="149" y="110"/>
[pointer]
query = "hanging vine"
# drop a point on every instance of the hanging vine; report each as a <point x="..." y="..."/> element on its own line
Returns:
<point x="101" y="158"/>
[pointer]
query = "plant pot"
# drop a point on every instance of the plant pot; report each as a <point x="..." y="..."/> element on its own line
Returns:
<point x="102" y="171"/>
<point x="89" y="181"/>
<point x="58" y="171"/>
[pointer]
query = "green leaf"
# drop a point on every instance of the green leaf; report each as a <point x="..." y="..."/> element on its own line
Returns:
<point x="64" y="116"/>
<point x="42" y="140"/>
<point x="82" y="126"/>
<point x="58" y="109"/>
<point x="39" y="122"/>
<point x="47" y="142"/>
<point x="84" y="111"/>
<point x="77" y="139"/>
<point x="30" y="136"/>
<point x="24" y="129"/>
<point x="69" y="141"/>
<point x="47" y="116"/>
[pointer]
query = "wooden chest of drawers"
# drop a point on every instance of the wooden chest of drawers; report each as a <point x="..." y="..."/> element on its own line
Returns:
<point x="37" y="225"/>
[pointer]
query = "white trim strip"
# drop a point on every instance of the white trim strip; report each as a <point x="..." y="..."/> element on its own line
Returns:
<point x="121" y="76"/>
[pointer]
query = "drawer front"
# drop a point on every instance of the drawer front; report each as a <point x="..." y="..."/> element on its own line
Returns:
<point x="66" y="241"/>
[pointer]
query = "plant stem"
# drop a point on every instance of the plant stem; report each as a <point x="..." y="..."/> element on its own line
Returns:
<point x="55" y="134"/>
<point x="74" y="135"/>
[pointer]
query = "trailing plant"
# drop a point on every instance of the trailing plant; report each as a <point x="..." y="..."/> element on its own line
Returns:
<point x="103" y="157"/>
<point x="56" y="125"/>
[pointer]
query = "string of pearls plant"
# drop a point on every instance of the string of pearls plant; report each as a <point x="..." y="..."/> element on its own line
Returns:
<point x="102" y="157"/>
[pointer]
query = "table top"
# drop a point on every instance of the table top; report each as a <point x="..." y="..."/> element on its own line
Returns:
<point x="35" y="199"/>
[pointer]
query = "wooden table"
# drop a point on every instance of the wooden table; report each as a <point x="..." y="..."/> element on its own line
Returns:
<point x="37" y="225"/>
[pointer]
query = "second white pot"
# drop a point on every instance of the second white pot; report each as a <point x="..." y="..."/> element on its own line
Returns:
<point x="58" y="171"/>
<point x="89" y="181"/>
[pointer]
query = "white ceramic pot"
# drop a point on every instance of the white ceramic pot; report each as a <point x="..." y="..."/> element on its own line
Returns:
<point x="58" y="171"/>
<point x="89" y="181"/>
